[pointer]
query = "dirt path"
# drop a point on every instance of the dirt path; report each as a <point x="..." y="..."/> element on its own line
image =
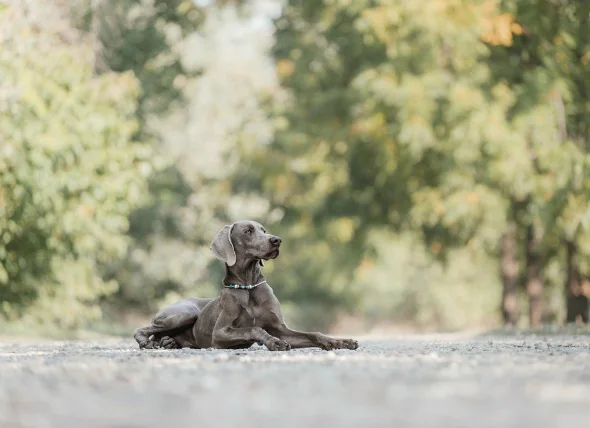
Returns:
<point x="401" y="382"/>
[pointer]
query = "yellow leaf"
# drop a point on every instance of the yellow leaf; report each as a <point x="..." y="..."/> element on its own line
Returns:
<point x="499" y="29"/>
<point x="516" y="28"/>
<point x="184" y="7"/>
<point x="472" y="197"/>
<point x="436" y="247"/>
<point x="285" y="68"/>
<point x="342" y="229"/>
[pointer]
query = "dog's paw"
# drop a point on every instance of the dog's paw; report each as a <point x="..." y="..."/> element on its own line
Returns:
<point x="331" y="344"/>
<point x="277" y="345"/>
<point x="328" y="345"/>
<point x="349" y="344"/>
<point x="167" y="342"/>
<point x="147" y="344"/>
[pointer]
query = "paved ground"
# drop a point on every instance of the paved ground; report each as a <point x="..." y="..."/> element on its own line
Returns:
<point x="412" y="381"/>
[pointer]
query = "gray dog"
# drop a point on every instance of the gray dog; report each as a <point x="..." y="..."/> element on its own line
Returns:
<point x="245" y="313"/>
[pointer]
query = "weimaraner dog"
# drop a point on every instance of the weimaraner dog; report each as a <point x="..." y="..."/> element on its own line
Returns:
<point x="246" y="312"/>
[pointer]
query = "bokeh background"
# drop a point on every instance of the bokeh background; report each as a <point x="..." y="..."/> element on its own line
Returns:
<point x="425" y="161"/>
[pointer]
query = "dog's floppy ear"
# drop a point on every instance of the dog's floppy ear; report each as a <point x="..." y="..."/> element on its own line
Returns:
<point x="222" y="246"/>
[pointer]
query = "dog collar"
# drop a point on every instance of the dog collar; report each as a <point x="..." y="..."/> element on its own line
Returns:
<point x="243" y="287"/>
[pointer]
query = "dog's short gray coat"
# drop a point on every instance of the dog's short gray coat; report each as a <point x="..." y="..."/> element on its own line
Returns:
<point x="237" y="318"/>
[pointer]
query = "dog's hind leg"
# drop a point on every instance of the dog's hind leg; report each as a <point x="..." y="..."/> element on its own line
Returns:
<point x="169" y="322"/>
<point x="175" y="339"/>
<point x="168" y="342"/>
<point x="143" y="336"/>
<point x="158" y="335"/>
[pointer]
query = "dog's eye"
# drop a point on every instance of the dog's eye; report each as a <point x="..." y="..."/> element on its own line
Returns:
<point x="248" y="231"/>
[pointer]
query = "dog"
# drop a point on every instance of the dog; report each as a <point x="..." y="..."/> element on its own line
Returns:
<point x="246" y="311"/>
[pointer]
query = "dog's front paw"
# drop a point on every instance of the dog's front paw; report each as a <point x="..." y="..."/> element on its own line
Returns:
<point x="277" y="345"/>
<point x="331" y="344"/>
<point x="349" y="344"/>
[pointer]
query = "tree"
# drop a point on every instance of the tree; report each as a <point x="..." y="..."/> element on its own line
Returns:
<point x="143" y="36"/>
<point x="549" y="54"/>
<point x="388" y="125"/>
<point x="216" y="55"/>
<point x="70" y="170"/>
<point x="409" y="116"/>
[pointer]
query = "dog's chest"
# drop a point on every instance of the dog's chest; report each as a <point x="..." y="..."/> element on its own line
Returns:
<point x="246" y="318"/>
<point x="253" y="313"/>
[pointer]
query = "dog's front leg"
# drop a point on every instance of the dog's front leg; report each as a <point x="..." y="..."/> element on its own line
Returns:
<point x="300" y="339"/>
<point x="226" y="336"/>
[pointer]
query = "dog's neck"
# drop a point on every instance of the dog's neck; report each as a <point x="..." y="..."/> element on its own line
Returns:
<point x="243" y="272"/>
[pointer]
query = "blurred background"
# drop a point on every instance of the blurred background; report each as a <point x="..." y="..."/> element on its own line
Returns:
<point x="424" y="161"/>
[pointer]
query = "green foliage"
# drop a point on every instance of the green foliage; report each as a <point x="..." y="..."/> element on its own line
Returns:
<point x="435" y="117"/>
<point x="403" y="283"/>
<point x="70" y="171"/>
<point x="194" y="137"/>
<point x="385" y="126"/>
<point x="389" y="143"/>
<point x="143" y="36"/>
<point x="146" y="38"/>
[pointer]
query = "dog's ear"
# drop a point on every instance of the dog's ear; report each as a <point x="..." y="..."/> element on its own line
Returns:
<point x="222" y="246"/>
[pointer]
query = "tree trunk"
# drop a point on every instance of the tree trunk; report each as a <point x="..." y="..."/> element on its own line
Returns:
<point x="509" y="270"/>
<point x="533" y="282"/>
<point x="576" y="300"/>
<point x="97" y="9"/>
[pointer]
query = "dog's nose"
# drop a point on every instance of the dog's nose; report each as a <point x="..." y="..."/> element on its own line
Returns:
<point x="275" y="240"/>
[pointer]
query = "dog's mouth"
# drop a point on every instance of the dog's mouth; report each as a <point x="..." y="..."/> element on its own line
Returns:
<point x="273" y="254"/>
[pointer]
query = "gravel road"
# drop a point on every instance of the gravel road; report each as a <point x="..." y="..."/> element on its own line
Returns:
<point x="405" y="381"/>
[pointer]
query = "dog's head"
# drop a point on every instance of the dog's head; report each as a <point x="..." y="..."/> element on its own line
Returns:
<point x="245" y="240"/>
